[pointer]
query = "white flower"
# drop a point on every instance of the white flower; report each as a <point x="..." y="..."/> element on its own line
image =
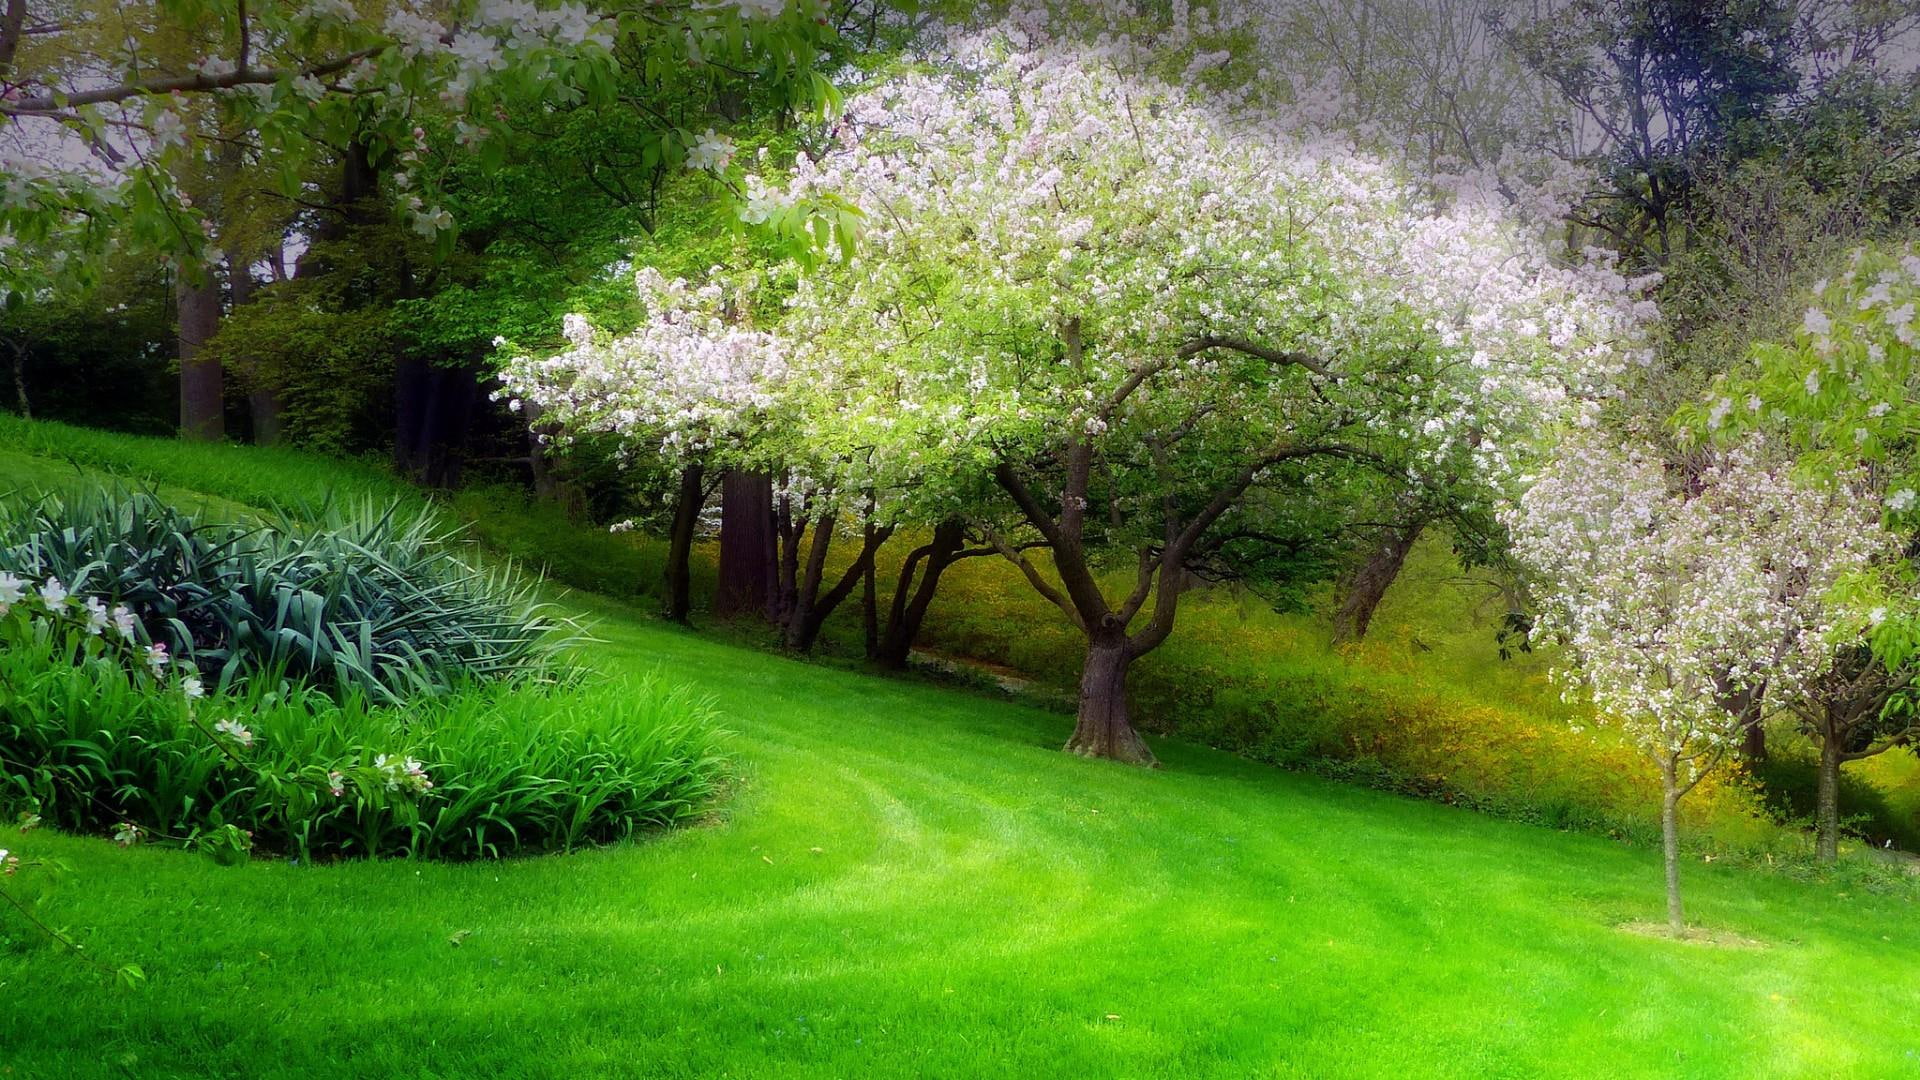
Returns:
<point x="53" y="594"/>
<point x="12" y="589"/>
<point x="194" y="690"/>
<point x="1812" y="382"/>
<point x="97" y="616"/>
<point x="337" y="784"/>
<point x="1817" y="323"/>
<point x="1901" y="501"/>
<point x="157" y="659"/>
<point x="123" y="621"/>
<point x="478" y="50"/>
<point x="1877" y="616"/>
<point x="710" y="153"/>
<point x="236" y="731"/>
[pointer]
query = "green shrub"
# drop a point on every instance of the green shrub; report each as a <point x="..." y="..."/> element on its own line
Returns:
<point x="482" y="772"/>
<point x="376" y="602"/>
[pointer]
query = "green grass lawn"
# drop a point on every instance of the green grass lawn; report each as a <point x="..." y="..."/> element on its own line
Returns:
<point x="909" y="881"/>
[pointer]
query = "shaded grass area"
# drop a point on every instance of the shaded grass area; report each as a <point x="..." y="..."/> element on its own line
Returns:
<point x="914" y="882"/>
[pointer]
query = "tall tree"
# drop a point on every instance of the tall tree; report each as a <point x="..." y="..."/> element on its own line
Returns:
<point x="1161" y="313"/>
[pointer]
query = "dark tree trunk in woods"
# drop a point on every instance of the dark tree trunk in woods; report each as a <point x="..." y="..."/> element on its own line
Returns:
<point x="202" y="389"/>
<point x="1103" y="728"/>
<point x="1746" y="705"/>
<point x="1753" y="738"/>
<point x="788" y="529"/>
<point x="914" y="592"/>
<point x="805" y="586"/>
<point x="433" y="416"/>
<point x="686" y="516"/>
<point x="1370" y="581"/>
<point x="746" y="584"/>
<point x="20" y="399"/>
<point x="266" y="409"/>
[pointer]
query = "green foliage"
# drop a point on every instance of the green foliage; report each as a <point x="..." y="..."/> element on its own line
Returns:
<point x="511" y="769"/>
<point x="378" y="602"/>
<point x="330" y="366"/>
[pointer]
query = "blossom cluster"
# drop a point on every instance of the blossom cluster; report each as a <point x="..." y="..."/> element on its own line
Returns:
<point x="692" y="377"/>
<point x="400" y="774"/>
<point x="1846" y="388"/>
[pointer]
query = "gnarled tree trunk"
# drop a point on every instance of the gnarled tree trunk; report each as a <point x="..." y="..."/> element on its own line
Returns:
<point x="1103" y="727"/>
<point x="1370" y="581"/>
<point x="811" y="608"/>
<point x="913" y="593"/>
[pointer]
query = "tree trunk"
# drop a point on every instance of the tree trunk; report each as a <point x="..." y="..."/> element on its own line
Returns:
<point x="1103" y="728"/>
<point x="686" y="515"/>
<point x="264" y="407"/>
<point x="812" y="609"/>
<point x="202" y="393"/>
<point x="801" y="625"/>
<point x="1670" y="847"/>
<point x="1370" y="582"/>
<point x="912" y="596"/>
<point x="1753" y="737"/>
<point x="1827" y="809"/>
<point x="20" y="380"/>
<point x="870" y="600"/>
<point x="746" y="545"/>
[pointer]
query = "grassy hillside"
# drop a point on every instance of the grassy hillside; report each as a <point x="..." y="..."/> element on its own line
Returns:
<point x="914" y="882"/>
<point x="910" y="881"/>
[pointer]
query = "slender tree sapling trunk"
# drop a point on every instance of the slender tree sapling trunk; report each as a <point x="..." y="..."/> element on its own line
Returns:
<point x="1827" y="808"/>
<point x="1670" y="795"/>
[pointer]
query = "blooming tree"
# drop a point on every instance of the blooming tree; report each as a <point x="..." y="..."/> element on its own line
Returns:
<point x="1675" y="599"/>
<point x="1150" y="322"/>
<point x="692" y="385"/>
<point x="1843" y="393"/>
